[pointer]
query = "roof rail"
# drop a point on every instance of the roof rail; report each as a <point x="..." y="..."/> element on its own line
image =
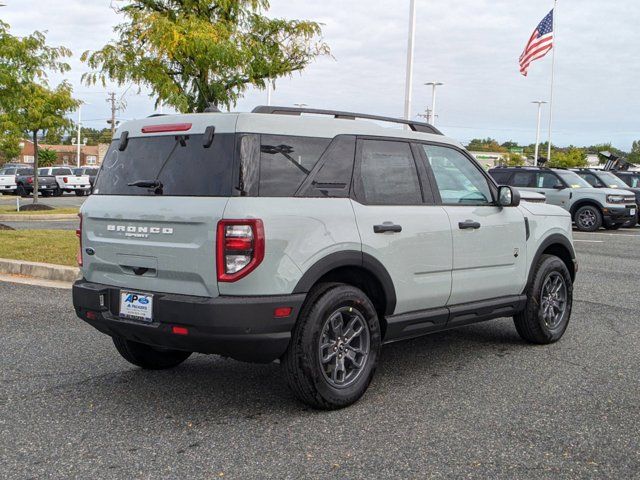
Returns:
<point x="415" y="126"/>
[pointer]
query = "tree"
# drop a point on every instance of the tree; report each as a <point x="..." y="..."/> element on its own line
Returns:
<point x="513" y="159"/>
<point x="572" y="157"/>
<point x="193" y="54"/>
<point x="47" y="157"/>
<point x="634" y="155"/>
<point x="27" y="103"/>
<point x="485" y="145"/>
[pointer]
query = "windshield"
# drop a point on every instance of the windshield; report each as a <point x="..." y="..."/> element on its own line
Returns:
<point x="572" y="179"/>
<point x="181" y="165"/>
<point x="611" y="181"/>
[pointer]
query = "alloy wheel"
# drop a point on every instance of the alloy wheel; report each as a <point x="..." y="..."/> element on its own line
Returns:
<point x="344" y="346"/>
<point x="553" y="300"/>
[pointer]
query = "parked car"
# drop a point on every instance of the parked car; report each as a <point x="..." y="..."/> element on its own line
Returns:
<point x="67" y="180"/>
<point x="8" y="181"/>
<point x="590" y="207"/>
<point x="47" y="184"/>
<point x="631" y="178"/>
<point x="91" y="172"/>
<point x="605" y="179"/>
<point x="313" y="239"/>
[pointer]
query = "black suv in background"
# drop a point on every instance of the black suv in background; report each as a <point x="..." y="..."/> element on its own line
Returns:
<point x="632" y="179"/>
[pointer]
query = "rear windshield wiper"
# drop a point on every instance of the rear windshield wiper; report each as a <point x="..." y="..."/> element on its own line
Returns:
<point x="154" y="184"/>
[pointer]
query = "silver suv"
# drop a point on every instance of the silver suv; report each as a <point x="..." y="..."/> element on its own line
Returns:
<point x="312" y="239"/>
<point x="590" y="207"/>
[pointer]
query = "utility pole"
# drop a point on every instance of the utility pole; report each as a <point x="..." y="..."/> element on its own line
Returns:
<point x="114" y="109"/>
<point x="79" y="133"/>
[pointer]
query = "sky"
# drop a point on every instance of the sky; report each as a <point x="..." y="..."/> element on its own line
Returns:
<point x="472" y="46"/>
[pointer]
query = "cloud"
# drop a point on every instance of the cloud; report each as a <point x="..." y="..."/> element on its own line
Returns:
<point x="471" y="45"/>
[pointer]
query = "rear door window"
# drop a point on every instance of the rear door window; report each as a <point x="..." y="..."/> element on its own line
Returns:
<point x="286" y="161"/>
<point x="387" y="174"/>
<point x="181" y="164"/>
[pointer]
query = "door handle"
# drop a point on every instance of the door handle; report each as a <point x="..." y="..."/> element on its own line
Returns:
<point x="469" y="225"/>
<point x="387" y="227"/>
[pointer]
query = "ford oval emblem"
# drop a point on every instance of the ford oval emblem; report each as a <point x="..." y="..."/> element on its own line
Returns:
<point x="90" y="251"/>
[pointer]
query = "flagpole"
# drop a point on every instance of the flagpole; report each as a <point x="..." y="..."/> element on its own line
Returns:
<point x="553" y="68"/>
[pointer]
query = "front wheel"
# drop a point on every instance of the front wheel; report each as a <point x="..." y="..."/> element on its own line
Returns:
<point x="588" y="218"/>
<point x="549" y="301"/>
<point x="334" y="347"/>
<point x="148" y="357"/>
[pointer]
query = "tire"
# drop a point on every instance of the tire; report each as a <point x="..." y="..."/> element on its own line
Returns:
<point x="45" y="193"/>
<point x="531" y="323"/>
<point x="21" y="191"/>
<point x="79" y="193"/>
<point x="57" y="192"/>
<point x="325" y="319"/>
<point x="588" y="218"/>
<point x="148" y="357"/>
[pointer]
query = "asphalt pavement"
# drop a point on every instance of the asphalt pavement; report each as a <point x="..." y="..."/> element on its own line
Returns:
<point x="470" y="403"/>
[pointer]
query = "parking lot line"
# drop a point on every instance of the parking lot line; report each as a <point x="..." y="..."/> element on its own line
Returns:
<point x="607" y="234"/>
<point x="589" y="241"/>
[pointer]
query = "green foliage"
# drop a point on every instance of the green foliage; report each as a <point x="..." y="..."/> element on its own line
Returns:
<point x="95" y="136"/>
<point x="197" y="53"/>
<point x="47" y="157"/>
<point x="634" y="156"/>
<point x="485" y="145"/>
<point x="513" y="159"/>
<point x="570" y="158"/>
<point x="27" y="103"/>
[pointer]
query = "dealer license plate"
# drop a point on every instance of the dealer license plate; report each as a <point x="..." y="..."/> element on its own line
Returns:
<point x="136" y="306"/>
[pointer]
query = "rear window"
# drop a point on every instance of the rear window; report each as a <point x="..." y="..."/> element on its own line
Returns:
<point x="61" y="171"/>
<point x="181" y="164"/>
<point x="25" y="171"/>
<point x="286" y="161"/>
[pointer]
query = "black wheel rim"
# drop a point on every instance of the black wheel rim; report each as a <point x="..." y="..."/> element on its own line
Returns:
<point x="344" y="347"/>
<point x="587" y="218"/>
<point x="553" y="300"/>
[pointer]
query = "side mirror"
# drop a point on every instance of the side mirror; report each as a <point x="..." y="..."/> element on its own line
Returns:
<point x="508" y="197"/>
<point x="558" y="186"/>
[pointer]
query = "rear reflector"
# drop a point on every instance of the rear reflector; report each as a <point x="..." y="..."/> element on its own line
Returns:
<point x="282" y="312"/>
<point x="179" y="331"/>
<point x="92" y="315"/>
<point x="168" y="127"/>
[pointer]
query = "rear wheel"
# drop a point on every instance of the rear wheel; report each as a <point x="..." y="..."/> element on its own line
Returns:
<point x="21" y="191"/>
<point x="45" y="193"/>
<point x="588" y="218"/>
<point x="334" y="347"/>
<point x="79" y="193"/>
<point x="57" y="192"/>
<point x="549" y="302"/>
<point x="148" y="357"/>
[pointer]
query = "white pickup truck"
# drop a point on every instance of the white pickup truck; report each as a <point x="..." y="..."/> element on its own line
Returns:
<point x="8" y="180"/>
<point x="67" y="180"/>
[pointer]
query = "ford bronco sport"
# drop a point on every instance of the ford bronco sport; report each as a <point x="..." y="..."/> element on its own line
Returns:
<point x="312" y="239"/>
<point x="590" y="208"/>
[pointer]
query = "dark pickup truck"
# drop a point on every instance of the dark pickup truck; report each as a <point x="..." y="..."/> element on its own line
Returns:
<point x="24" y="181"/>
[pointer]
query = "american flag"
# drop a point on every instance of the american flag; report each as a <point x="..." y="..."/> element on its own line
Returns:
<point x="539" y="44"/>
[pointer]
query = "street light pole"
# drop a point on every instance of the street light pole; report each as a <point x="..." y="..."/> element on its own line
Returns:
<point x="268" y="91"/>
<point x="537" y="150"/>
<point x="79" y="132"/>
<point x="433" y="99"/>
<point x="408" y="86"/>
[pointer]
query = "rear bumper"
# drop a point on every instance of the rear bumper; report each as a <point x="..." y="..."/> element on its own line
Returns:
<point x="616" y="215"/>
<point x="239" y="327"/>
<point x="8" y="188"/>
<point x="72" y="188"/>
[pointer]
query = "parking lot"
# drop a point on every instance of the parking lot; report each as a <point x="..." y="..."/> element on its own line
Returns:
<point x="474" y="403"/>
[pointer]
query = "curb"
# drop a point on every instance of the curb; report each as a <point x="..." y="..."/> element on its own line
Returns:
<point x="38" y="218"/>
<point x="45" y="271"/>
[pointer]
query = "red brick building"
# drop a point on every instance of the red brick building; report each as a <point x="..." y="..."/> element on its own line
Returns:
<point x="89" y="154"/>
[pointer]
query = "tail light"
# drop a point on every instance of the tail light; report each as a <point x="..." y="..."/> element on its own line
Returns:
<point x="65" y="179"/>
<point x="239" y="248"/>
<point x="30" y="180"/>
<point x="79" y="235"/>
